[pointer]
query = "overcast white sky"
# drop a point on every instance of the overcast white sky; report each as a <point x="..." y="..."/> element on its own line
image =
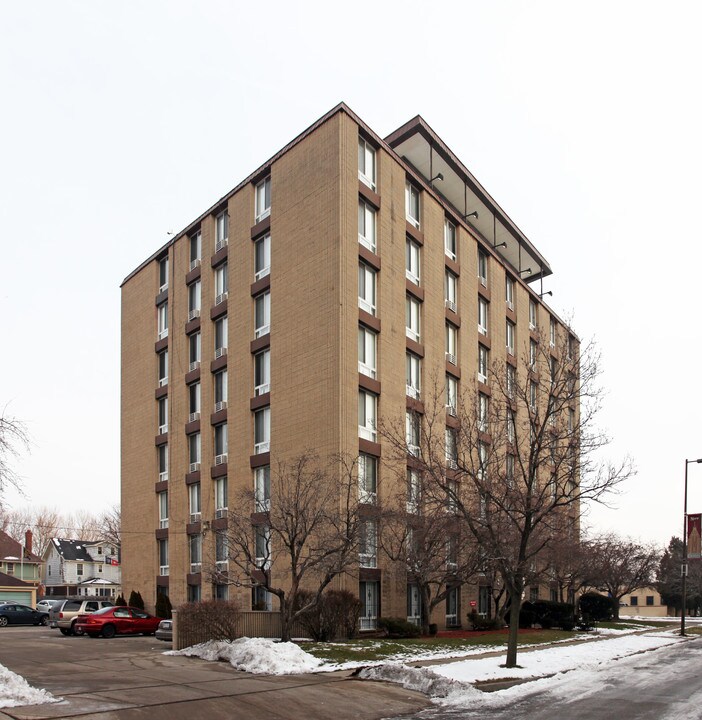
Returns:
<point x="121" y="121"/>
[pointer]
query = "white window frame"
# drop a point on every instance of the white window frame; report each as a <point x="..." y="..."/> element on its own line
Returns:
<point x="162" y="415"/>
<point x="194" y="299"/>
<point x="368" y="544"/>
<point x="367" y="351"/>
<point x="262" y="257"/>
<point x="367" y="157"/>
<point x="413" y="318"/>
<point x="450" y="240"/>
<point x="451" y="448"/>
<point x="262" y="305"/>
<point x="263" y="200"/>
<point x="412" y="434"/>
<point x="413" y="375"/>
<point x="221" y="443"/>
<point x="263" y="547"/>
<point x="509" y="292"/>
<point x="195" y="551"/>
<point x="162" y="459"/>
<point x="482" y="267"/>
<point x="414" y="490"/>
<point x="510" y="332"/>
<point x="163" y="274"/>
<point x="194" y="401"/>
<point x="451" y="291"/>
<point x="163" y="555"/>
<point x="451" y="394"/>
<point x="221" y="500"/>
<point x="451" y="350"/>
<point x="483" y="412"/>
<point x="367" y="226"/>
<point x="221" y="283"/>
<point x="367" y="288"/>
<point x="162" y="323"/>
<point x="221" y="343"/>
<point x="483" y="313"/>
<point x="195" y="249"/>
<point x="194" y="451"/>
<point x="483" y="363"/>
<point x="262" y="431"/>
<point x="163" y="368"/>
<point x="262" y="372"/>
<point x="163" y="510"/>
<point x="195" y="501"/>
<point x="533" y="353"/>
<point x="194" y="350"/>
<point x="510" y="380"/>
<point x="533" y="323"/>
<point x="552" y="332"/>
<point x="221" y="389"/>
<point x="413" y="206"/>
<point x="412" y="261"/>
<point x="221" y="230"/>
<point x="367" y="479"/>
<point x="367" y="415"/>
<point x="262" y="488"/>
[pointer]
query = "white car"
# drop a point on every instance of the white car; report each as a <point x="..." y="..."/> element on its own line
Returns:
<point x="45" y="605"/>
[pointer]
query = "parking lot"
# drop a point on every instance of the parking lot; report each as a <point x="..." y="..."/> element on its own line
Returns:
<point x="130" y="678"/>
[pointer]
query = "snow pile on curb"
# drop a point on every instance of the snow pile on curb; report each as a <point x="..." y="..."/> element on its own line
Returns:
<point x="16" y="691"/>
<point x="255" y="655"/>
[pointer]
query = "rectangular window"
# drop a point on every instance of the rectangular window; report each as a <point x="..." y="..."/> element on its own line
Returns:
<point x="369" y="595"/>
<point x="221" y="283"/>
<point x="220" y="443"/>
<point x="163" y="274"/>
<point x="261" y="599"/>
<point x="451" y="394"/>
<point x="532" y="396"/>
<point x="367" y="351"/>
<point x="450" y="291"/>
<point x="510" y="381"/>
<point x="453" y="605"/>
<point x="483" y="412"/>
<point x="163" y="462"/>
<point x="533" y="354"/>
<point x="451" y="448"/>
<point x="163" y="368"/>
<point x="220" y="390"/>
<point x="553" y="368"/>
<point x="366" y="288"/>
<point x="482" y="316"/>
<point x="412" y="204"/>
<point x="511" y="429"/>
<point x="194" y="500"/>
<point x="194" y="402"/>
<point x="262" y="373"/>
<point x="634" y="600"/>
<point x="450" y="239"/>
<point x="195" y="249"/>
<point x="571" y="419"/>
<point x="194" y="593"/>
<point x="366" y="163"/>
<point x="366" y="226"/>
<point x="162" y="320"/>
<point x="533" y="594"/>
<point x="482" y="268"/>
<point x="262" y="488"/>
<point x="194" y="451"/>
<point x="413" y="375"/>
<point x="262" y="315"/>
<point x="367" y="479"/>
<point x="412" y="433"/>
<point x="194" y="351"/>
<point x="483" y="363"/>
<point x="221" y="230"/>
<point x="532" y="315"/>
<point x="451" y="344"/>
<point x="195" y="554"/>
<point x="163" y="557"/>
<point x="552" y="332"/>
<point x="367" y="410"/>
<point x="194" y="299"/>
<point x="412" y="261"/>
<point x="649" y="599"/>
<point x="162" y="415"/>
<point x="368" y="544"/>
<point x="263" y="547"/>
<point x="221" y="552"/>
<point x="263" y="199"/>
<point x="413" y="490"/>
<point x="510" y="337"/>
<point x="509" y="292"/>
<point x="509" y="470"/>
<point x="412" y="319"/>
<point x="79" y="568"/>
<point x="262" y="257"/>
<point x="262" y="431"/>
<point x="221" y="337"/>
<point x="414" y="604"/>
<point x="220" y="497"/>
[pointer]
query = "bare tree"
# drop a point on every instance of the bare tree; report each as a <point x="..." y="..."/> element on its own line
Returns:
<point x="300" y="538"/>
<point x="619" y="566"/>
<point x="110" y="523"/>
<point x="517" y="457"/>
<point x="566" y="562"/>
<point x="13" y="439"/>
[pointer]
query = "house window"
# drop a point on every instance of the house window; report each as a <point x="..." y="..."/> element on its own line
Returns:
<point x="450" y="239"/>
<point x="162" y="321"/>
<point x="532" y="315"/>
<point x="367" y="478"/>
<point x="163" y="462"/>
<point x="413" y="490"/>
<point x="262" y="314"/>
<point x="163" y="510"/>
<point x="79" y="569"/>
<point x="366" y="163"/>
<point x="262" y="257"/>
<point x="634" y="600"/>
<point x="263" y="199"/>
<point x="533" y="352"/>
<point x="162" y="415"/>
<point x="412" y="320"/>
<point x="195" y="506"/>
<point x="509" y="292"/>
<point x="412" y="261"/>
<point x="366" y="226"/>
<point x="414" y="604"/>
<point x="221" y="551"/>
<point x="163" y="274"/>
<point x="221" y="283"/>
<point x="510" y="337"/>
<point x="220" y="443"/>
<point x="484" y="601"/>
<point x="194" y="593"/>
<point x="195" y="554"/>
<point x="413" y="375"/>
<point x="194" y="299"/>
<point x="194" y="401"/>
<point x="262" y="431"/>
<point x="368" y="544"/>
<point x="451" y="394"/>
<point x="220" y="497"/>
<point x="263" y="547"/>
<point x="262" y="488"/>
<point x="262" y="373"/>
<point x="649" y="599"/>
<point x="194" y="451"/>
<point x="412" y="433"/>
<point x="482" y="316"/>
<point x="483" y="363"/>
<point x="552" y="332"/>
<point x="451" y="344"/>
<point x="261" y="599"/>
<point x="163" y="368"/>
<point x="11" y="568"/>
<point x="451" y="448"/>
<point x="369" y="595"/>
<point x="453" y="607"/>
<point x="412" y="204"/>
<point x="221" y="337"/>
<point x="366" y="288"/>
<point x="194" y="351"/>
<point x="163" y="557"/>
<point x="482" y="267"/>
<point x="483" y="412"/>
<point x="367" y="409"/>
<point x="220" y="390"/>
<point x="221" y="230"/>
<point x="367" y="351"/>
<point x="195" y="249"/>
<point x="450" y="291"/>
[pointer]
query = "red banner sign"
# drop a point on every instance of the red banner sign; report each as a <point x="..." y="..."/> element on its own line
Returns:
<point x="694" y="536"/>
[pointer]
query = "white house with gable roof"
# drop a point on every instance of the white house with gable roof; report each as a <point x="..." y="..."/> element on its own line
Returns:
<point x="78" y="567"/>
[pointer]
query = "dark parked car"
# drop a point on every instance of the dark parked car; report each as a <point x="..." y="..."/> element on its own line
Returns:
<point x="121" y="620"/>
<point x="13" y="614"/>
<point x="165" y="630"/>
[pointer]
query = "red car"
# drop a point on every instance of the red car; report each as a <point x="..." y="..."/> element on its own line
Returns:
<point x="121" y="620"/>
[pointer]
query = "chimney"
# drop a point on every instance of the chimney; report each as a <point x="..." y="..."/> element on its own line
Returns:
<point x="28" y="542"/>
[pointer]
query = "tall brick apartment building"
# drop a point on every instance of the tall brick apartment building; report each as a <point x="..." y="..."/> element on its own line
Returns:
<point x="283" y="317"/>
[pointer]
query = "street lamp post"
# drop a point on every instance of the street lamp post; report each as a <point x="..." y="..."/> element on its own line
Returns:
<point x="683" y="568"/>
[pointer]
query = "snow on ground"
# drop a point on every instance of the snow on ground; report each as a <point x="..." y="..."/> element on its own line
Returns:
<point x="15" y="691"/>
<point x="255" y="655"/>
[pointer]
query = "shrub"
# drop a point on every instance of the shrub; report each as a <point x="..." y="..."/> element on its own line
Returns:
<point x="120" y="600"/>
<point x="335" y="615"/>
<point x="478" y="622"/>
<point x="595" y="607"/>
<point x="163" y="606"/>
<point x="399" y="628"/>
<point x="548" y="614"/>
<point x="135" y="600"/>
<point x="217" y="619"/>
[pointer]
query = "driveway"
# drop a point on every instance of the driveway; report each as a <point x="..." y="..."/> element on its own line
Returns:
<point x="130" y="678"/>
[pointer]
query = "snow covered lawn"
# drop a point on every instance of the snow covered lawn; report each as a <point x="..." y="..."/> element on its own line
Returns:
<point x="15" y="691"/>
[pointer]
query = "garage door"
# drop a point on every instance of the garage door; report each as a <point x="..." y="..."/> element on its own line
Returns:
<point x="24" y="597"/>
